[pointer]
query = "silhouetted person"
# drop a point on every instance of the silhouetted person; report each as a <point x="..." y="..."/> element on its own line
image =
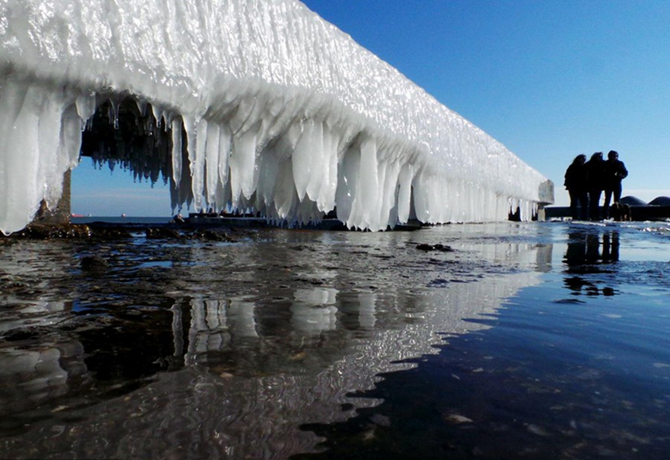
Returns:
<point x="576" y="182"/>
<point x="595" y="176"/>
<point x="615" y="172"/>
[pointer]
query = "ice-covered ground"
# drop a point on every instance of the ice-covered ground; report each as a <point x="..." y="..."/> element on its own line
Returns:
<point x="264" y="334"/>
<point x="281" y="112"/>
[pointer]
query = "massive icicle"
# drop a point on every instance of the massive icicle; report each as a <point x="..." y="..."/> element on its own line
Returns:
<point x="281" y="111"/>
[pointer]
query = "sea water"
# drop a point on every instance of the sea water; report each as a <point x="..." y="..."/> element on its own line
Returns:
<point x="510" y="340"/>
<point x="121" y="220"/>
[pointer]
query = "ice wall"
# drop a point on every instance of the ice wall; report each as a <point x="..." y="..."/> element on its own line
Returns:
<point x="281" y="111"/>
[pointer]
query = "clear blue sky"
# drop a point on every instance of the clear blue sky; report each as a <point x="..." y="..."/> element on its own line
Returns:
<point x="550" y="79"/>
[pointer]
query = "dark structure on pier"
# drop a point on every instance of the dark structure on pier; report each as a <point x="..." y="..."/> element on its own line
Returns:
<point x="657" y="209"/>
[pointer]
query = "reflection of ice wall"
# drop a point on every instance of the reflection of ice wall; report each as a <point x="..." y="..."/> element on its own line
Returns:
<point x="256" y="411"/>
<point x="258" y="362"/>
<point x="281" y="111"/>
<point x="30" y="377"/>
<point x="215" y="325"/>
<point x="284" y="393"/>
<point x="313" y="310"/>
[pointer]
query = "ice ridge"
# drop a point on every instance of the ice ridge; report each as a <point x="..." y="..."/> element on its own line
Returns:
<point x="268" y="106"/>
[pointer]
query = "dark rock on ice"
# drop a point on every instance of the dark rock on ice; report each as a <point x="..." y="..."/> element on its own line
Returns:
<point x="160" y="233"/>
<point x="93" y="263"/>
<point x="212" y="235"/>
<point x="17" y="335"/>
<point x="434" y="247"/>
<point x="110" y="233"/>
<point x="46" y="232"/>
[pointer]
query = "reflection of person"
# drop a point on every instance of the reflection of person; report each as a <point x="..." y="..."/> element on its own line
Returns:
<point x="584" y="248"/>
<point x="575" y="258"/>
<point x="583" y="256"/>
<point x="575" y="255"/>
<point x="592" y="249"/>
<point x="595" y="170"/>
<point x="614" y="172"/>
<point x="576" y="185"/>
<point x="611" y="247"/>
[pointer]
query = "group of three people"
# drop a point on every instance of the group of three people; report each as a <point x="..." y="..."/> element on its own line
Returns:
<point x="587" y="180"/>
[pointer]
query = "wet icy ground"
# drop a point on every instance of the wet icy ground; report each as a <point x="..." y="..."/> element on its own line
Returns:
<point x="462" y="341"/>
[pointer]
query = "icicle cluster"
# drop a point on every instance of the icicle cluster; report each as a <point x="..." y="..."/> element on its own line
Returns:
<point x="281" y="112"/>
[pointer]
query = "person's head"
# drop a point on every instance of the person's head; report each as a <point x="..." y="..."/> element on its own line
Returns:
<point x="597" y="156"/>
<point x="612" y="155"/>
<point x="579" y="159"/>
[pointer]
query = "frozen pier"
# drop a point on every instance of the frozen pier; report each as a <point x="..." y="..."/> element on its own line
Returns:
<point x="243" y="104"/>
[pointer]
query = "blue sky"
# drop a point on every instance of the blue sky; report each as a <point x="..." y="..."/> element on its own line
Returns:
<point x="550" y="79"/>
<point x="99" y="191"/>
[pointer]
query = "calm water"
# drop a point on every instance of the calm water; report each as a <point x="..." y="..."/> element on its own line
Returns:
<point x="120" y="220"/>
<point x="530" y="340"/>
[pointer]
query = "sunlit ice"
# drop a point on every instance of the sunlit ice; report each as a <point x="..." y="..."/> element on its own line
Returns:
<point x="266" y="107"/>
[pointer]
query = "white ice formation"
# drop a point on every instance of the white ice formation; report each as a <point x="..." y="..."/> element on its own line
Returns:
<point x="281" y="111"/>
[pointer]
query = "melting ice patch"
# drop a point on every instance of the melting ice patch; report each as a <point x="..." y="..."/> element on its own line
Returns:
<point x="268" y="106"/>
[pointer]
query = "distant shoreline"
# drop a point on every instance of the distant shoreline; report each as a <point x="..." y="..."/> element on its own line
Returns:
<point x="121" y="220"/>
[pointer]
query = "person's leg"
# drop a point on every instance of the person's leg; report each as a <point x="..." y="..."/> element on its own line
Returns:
<point x="606" y="206"/>
<point x="617" y="193"/>
<point x="584" y="205"/>
<point x="594" y="202"/>
<point x="574" y="199"/>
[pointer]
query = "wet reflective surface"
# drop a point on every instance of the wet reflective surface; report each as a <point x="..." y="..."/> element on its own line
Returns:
<point x="508" y="341"/>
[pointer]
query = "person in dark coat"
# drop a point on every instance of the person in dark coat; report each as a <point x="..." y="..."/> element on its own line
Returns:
<point x="615" y="172"/>
<point x="595" y="176"/>
<point x="576" y="183"/>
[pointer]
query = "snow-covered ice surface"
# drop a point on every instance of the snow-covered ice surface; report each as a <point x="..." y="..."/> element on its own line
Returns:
<point x="281" y="112"/>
